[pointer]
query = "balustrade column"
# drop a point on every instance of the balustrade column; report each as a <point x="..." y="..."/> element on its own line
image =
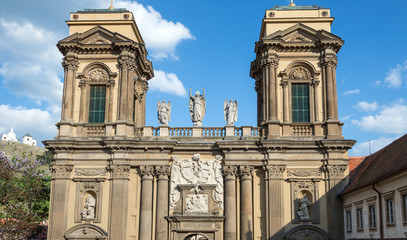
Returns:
<point x="274" y="183"/>
<point x="146" y="205"/>
<point x="70" y="65"/>
<point x="230" y="202"/>
<point x="246" y="201"/>
<point x="161" y="225"/>
<point x="119" y="201"/>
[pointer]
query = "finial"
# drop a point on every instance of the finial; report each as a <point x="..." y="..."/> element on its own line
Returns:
<point x="111" y="5"/>
<point x="291" y="4"/>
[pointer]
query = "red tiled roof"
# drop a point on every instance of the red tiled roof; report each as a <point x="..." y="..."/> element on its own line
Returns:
<point x="383" y="163"/>
<point x="354" y="162"/>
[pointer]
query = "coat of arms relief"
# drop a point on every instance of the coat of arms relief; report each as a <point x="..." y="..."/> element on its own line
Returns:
<point x="198" y="174"/>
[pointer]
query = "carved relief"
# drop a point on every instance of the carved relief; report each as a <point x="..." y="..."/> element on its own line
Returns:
<point x="140" y="87"/>
<point x="120" y="171"/>
<point x="298" y="39"/>
<point x="98" y="75"/>
<point x="197" y="172"/>
<point x="299" y="72"/>
<point x="274" y="171"/>
<point x="196" y="203"/>
<point x="97" y="39"/>
<point x="61" y="171"/>
<point x="304" y="173"/>
<point x="90" y="172"/>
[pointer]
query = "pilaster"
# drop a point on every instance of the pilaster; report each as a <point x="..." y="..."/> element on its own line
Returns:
<point x="119" y="201"/>
<point x="275" y="201"/>
<point x="59" y="201"/>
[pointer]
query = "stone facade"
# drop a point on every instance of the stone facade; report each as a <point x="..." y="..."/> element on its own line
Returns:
<point x="198" y="182"/>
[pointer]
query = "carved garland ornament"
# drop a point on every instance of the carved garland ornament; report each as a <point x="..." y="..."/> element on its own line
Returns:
<point x="299" y="72"/>
<point x="90" y="172"/>
<point x="304" y="173"/>
<point x="197" y="172"/>
<point x="98" y="75"/>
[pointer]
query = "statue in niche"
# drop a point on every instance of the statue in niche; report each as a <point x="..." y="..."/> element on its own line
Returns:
<point x="164" y="112"/>
<point x="89" y="210"/>
<point x="230" y="112"/>
<point x="303" y="209"/>
<point x="197" y="107"/>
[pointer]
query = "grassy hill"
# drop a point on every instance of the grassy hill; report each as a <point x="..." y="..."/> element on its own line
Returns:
<point x="13" y="149"/>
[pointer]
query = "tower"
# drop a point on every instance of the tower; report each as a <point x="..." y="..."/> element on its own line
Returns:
<point x="295" y="73"/>
<point x="106" y="74"/>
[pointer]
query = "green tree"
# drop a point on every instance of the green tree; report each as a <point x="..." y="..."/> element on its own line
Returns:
<point x="24" y="196"/>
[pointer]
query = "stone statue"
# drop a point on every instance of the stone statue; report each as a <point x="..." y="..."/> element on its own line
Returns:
<point x="197" y="107"/>
<point x="303" y="209"/>
<point x="89" y="210"/>
<point x="164" y="112"/>
<point x="230" y="112"/>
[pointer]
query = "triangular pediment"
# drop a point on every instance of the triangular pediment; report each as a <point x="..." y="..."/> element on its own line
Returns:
<point x="300" y="33"/>
<point x="95" y="36"/>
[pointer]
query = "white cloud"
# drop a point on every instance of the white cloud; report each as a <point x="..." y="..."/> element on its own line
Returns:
<point x="161" y="36"/>
<point x="368" y="107"/>
<point x="362" y="149"/>
<point x="356" y="91"/>
<point x="32" y="62"/>
<point x="167" y="82"/>
<point x="40" y="124"/>
<point x="394" y="78"/>
<point x="391" y="120"/>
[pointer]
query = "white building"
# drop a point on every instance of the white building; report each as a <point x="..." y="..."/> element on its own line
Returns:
<point x="28" y="139"/>
<point x="375" y="201"/>
<point x="10" y="137"/>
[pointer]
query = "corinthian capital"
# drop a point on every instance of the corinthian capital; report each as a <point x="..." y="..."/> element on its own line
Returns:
<point x="126" y="64"/>
<point x="330" y="62"/>
<point x="72" y="64"/>
<point x="162" y="172"/>
<point x="147" y="172"/>
<point x="274" y="171"/>
<point x="229" y="172"/>
<point x="61" y="171"/>
<point x="120" y="171"/>
<point x="246" y="172"/>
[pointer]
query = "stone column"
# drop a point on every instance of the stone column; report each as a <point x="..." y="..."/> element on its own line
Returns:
<point x="275" y="196"/>
<point x="146" y="205"/>
<point x="265" y="95"/>
<point x="161" y="225"/>
<point x="273" y="90"/>
<point x="246" y="203"/>
<point x="335" y="93"/>
<point x="230" y="202"/>
<point x="125" y="65"/>
<point x="329" y="64"/>
<point x="317" y="101"/>
<point x="336" y="183"/>
<point x="110" y="88"/>
<point x="70" y="65"/>
<point x="130" y="92"/>
<point x="286" y="102"/>
<point x="119" y="201"/>
<point x="59" y="201"/>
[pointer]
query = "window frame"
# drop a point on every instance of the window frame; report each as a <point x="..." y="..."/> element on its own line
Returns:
<point x="89" y="102"/>
<point x="403" y="199"/>
<point x="359" y="218"/>
<point x="348" y="219"/>
<point x="390" y="213"/>
<point x="308" y="101"/>
<point x="372" y="217"/>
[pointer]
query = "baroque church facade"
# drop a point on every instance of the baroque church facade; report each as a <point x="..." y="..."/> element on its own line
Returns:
<point x="116" y="178"/>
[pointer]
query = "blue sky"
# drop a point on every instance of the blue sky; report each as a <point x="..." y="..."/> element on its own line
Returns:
<point x="209" y="44"/>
